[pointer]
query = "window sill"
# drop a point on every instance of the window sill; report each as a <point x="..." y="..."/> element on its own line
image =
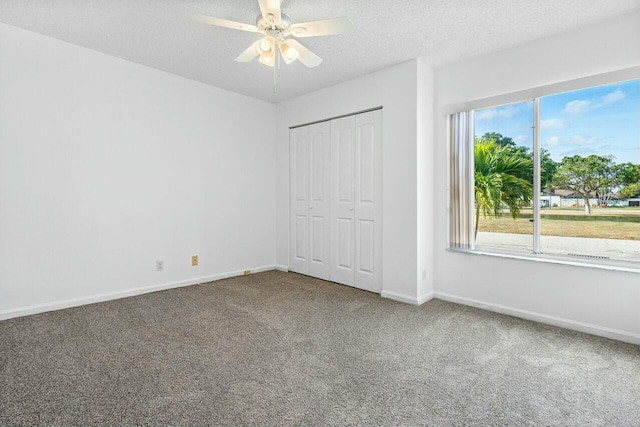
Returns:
<point x="626" y="266"/>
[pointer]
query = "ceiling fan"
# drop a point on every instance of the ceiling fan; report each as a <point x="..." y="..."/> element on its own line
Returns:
<point x="277" y="29"/>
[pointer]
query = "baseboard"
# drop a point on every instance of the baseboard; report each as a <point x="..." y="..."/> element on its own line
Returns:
<point x="425" y="297"/>
<point x="281" y="268"/>
<point x="406" y="298"/>
<point x="574" y="325"/>
<point x="75" y="302"/>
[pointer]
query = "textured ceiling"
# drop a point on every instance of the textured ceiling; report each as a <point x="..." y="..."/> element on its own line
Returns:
<point x="160" y="34"/>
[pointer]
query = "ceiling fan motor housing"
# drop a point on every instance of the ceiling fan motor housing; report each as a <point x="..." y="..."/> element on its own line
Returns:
<point x="276" y="30"/>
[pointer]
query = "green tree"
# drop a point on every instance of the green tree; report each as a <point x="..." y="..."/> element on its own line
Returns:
<point x="629" y="191"/>
<point x="498" y="138"/>
<point x="627" y="173"/>
<point x="548" y="168"/>
<point x="628" y="178"/>
<point x="585" y="176"/>
<point x="501" y="178"/>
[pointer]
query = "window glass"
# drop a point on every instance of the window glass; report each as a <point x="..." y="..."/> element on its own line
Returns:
<point x="590" y="172"/>
<point x="503" y="176"/>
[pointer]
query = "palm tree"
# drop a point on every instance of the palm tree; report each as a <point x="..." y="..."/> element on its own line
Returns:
<point x="502" y="177"/>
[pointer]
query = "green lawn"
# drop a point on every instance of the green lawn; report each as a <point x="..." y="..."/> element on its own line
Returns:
<point x="603" y="223"/>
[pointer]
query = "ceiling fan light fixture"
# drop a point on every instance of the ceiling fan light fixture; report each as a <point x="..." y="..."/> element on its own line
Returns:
<point x="289" y="53"/>
<point x="265" y="46"/>
<point x="268" y="60"/>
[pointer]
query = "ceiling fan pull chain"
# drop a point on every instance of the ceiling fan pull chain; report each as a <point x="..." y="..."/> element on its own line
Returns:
<point x="279" y="55"/>
<point x="275" y="72"/>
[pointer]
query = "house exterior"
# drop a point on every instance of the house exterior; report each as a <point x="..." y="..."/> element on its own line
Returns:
<point x="564" y="199"/>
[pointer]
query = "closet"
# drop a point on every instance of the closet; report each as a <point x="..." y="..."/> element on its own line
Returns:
<point x="335" y="200"/>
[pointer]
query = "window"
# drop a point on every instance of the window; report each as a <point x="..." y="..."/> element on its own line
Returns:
<point x="503" y="176"/>
<point x="557" y="176"/>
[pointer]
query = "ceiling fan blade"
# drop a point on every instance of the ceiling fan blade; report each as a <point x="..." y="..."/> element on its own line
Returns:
<point x="271" y="10"/>
<point x="249" y="54"/>
<point x="305" y="56"/>
<point x="219" y="22"/>
<point x="325" y="27"/>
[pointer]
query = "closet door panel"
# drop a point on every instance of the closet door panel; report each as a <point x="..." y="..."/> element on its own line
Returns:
<point x="366" y="245"/>
<point x="368" y="201"/>
<point x="342" y="200"/>
<point x="299" y="200"/>
<point x="318" y="242"/>
<point x="300" y="250"/>
<point x="344" y="257"/>
<point x="319" y="202"/>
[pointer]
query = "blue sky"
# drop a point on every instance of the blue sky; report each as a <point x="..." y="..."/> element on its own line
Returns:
<point x="602" y="120"/>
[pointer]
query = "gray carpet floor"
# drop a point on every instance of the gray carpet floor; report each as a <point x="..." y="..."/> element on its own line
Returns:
<point x="284" y="349"/>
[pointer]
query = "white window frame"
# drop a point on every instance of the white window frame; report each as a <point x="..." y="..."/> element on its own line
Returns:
<point x="522" y="96"/>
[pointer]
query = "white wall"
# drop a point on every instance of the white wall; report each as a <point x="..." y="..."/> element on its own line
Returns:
<point x="425" y="188"/>
<point x="395" y="89"/>
<point x="598" y="301"/>
<point x="107" y="166"/>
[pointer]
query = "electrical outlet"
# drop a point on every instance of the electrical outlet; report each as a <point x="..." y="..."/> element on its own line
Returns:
<point x="159" y="265"/>
<point x="194" y="260"/>
<point x="247" y="272"/>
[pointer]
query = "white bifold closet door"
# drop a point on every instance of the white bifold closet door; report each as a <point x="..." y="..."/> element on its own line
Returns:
<point x="356" y="196"/>
<point x="336" y="200"/>
<point x="310" y="221"/>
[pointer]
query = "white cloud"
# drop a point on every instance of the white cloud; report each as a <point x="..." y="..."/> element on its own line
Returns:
<point x="575" y="141"/>
<point x="577" y="107"/>
<point x="486" y="114"/>
<point x="498" y="112"/>
<point x="553" y="141"/>
<point x="580" y="106"/>
<point x="609" y="98"/>
<point x="551" y="124"/>
<point x="581" y="140"/>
